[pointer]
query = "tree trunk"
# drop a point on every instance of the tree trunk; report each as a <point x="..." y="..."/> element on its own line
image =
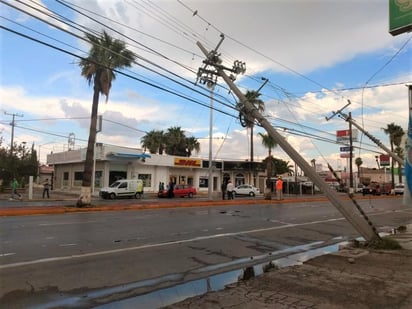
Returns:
<point x="86" y="190"/>
<point x="251" y="157"/>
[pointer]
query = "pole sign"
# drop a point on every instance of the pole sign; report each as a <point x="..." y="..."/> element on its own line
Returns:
<point x="344" y="135"/>
<point x="384" y="160"/>
<point x="400" y="16"/>
<point x="346" y="149"/>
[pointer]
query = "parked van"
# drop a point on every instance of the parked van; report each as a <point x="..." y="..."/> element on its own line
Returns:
<point x="123" y="187"/>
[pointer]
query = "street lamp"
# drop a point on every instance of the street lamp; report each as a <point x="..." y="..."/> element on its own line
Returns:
<point x="377" y="162"/>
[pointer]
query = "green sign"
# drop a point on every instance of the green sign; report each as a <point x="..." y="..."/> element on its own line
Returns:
<point x="400" y="16"/>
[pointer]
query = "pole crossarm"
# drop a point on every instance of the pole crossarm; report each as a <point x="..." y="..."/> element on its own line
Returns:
<point x="346" y="209"/>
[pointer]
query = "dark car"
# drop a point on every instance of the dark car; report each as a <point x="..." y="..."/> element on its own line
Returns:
<point x="179" y="191"/>
<point x="375" y="188"/>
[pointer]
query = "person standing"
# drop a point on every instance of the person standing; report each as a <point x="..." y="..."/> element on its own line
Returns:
<point x="223" y="187"/>
<point x="229" y="189"/>
<point x="46" y="186"/>
<point x="279" y="188"/>
<point x="14" y="186"/>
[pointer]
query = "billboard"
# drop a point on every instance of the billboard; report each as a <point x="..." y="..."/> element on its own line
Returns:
<point x="400" y="16"/>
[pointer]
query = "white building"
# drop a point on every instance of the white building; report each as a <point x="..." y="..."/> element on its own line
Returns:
<point x="114" y="162"/>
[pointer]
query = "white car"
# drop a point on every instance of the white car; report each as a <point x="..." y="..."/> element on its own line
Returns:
<point x="245" y="190"/>
<point x="399" y="188"/>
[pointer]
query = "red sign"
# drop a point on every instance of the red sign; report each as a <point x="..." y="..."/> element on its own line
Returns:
<point x="342" y="133"/>
<point x="385" y="160"/>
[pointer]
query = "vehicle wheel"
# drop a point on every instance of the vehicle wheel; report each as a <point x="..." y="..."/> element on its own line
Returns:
<point x="112" y="196"/>
<point x="190" y="195"/>
<point x="137" y="195"/>
<point x="252" y="194"/>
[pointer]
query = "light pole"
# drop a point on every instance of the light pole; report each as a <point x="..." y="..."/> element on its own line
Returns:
<point x="211" y="86"/>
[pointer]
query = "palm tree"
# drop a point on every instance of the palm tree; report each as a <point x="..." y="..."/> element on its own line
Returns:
<point x="105" y="55"/>
<point x="395" y="133"/>
<point x="358" y="162"/>
<point x="154" y="141"/>
<point x="192" y="144"/>
<point x="401" y="154"/>
<point x="175" y="142"/>
<point x="269" y="143"/>
<point x="248" y="121"/>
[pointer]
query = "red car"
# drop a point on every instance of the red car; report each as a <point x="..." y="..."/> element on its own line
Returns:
<point x="179" y="191"/>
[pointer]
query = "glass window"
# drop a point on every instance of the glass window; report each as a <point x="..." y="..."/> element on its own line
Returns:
<point x="146" y="178"/>
<point x="203" y="182"/>
<point x="78" y="179"/>
<point x="66" y="179"/>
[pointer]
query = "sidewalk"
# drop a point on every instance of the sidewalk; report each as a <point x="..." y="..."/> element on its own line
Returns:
<point x="350" y="278"/>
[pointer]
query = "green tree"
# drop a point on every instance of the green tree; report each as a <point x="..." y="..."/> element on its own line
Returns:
<point x="269" y="143"/>
<point x="192" y="144"/>
<point x="395" y="133"/>
<point x="154" y="141"/>
<point x="20" y="164"/>
<point x="358" y="162"/>
<point x="105" y="55"/>
<point x="248" y="121"/>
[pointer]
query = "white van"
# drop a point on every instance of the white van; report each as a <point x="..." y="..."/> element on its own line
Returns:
<point x="123" y="187"/>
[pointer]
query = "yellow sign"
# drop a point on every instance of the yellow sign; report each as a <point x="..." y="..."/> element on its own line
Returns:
<point x="186" y="162"/>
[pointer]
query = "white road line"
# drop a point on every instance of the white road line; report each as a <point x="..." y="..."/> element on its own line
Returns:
<point x="66" y="223"/>
<point x="67" y="245"/>
<point x="6" y="254"/>
<point x="147" y="246"/>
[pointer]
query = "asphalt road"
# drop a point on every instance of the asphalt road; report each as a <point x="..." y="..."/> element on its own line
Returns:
<point x="90" y="258"/>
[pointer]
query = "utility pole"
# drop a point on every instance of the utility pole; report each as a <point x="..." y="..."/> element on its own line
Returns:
<point x="371" y="137"/>
<point x="347" y="209"/>
<point x="12" y="123"/>
<point x="351" y="191"/>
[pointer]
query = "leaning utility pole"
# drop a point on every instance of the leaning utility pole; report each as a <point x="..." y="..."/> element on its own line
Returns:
<point x="371" y="137"/>
<point x="346" y="209"/>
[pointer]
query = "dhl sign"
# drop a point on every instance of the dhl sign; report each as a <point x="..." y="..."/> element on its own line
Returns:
<point x="188" y="162"/>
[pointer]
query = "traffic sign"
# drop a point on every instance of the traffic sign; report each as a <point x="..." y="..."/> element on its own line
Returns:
<point x="346" y="149"/>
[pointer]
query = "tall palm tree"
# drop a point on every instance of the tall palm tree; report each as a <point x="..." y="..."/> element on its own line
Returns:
<point x="192" y="144"/>
<point x="248" y="121"/>
<point x="395" y="133"/>
<point x="154" y="141"/>
<point x="358" y="162"/>
<point x="269" y="143"/>
<point x="105" y="55"/>
<point x="175" y="141"/>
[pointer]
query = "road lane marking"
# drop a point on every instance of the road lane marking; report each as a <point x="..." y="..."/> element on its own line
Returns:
<point x="67" y="245"/>
<point x="6" y="254"/>
<point x="174" y="242"/>
<point x="65" y="223"/>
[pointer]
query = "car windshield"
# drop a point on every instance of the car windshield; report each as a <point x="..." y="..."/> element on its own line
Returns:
<point x="114" y="184"/>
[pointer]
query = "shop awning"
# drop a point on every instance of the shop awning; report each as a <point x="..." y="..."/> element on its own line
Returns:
<point x="129" y="155"/>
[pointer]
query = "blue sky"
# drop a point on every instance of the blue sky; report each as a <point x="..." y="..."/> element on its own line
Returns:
<point x="316" y="55"/>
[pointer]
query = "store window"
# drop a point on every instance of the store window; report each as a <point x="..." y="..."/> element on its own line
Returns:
<point x="203" y="182"/>
<point x="239" y="179"/>
<point x="65" y="179"/>
<point x="146" y="178"/>
<point x="98" y="179"/>
<point x="78" y="179"/>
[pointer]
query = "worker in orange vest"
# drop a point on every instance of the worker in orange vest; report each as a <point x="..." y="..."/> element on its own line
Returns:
<point x="279" y="188"/>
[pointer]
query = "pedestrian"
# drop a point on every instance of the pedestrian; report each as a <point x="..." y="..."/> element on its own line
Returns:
<point x="279" y="188"/>
<point x="170" y="188"/>
<point x="223" y="187"/>
<point x="14" y="186"/>
<point x="46" y="186"/>
<point x="229" y="189"/>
